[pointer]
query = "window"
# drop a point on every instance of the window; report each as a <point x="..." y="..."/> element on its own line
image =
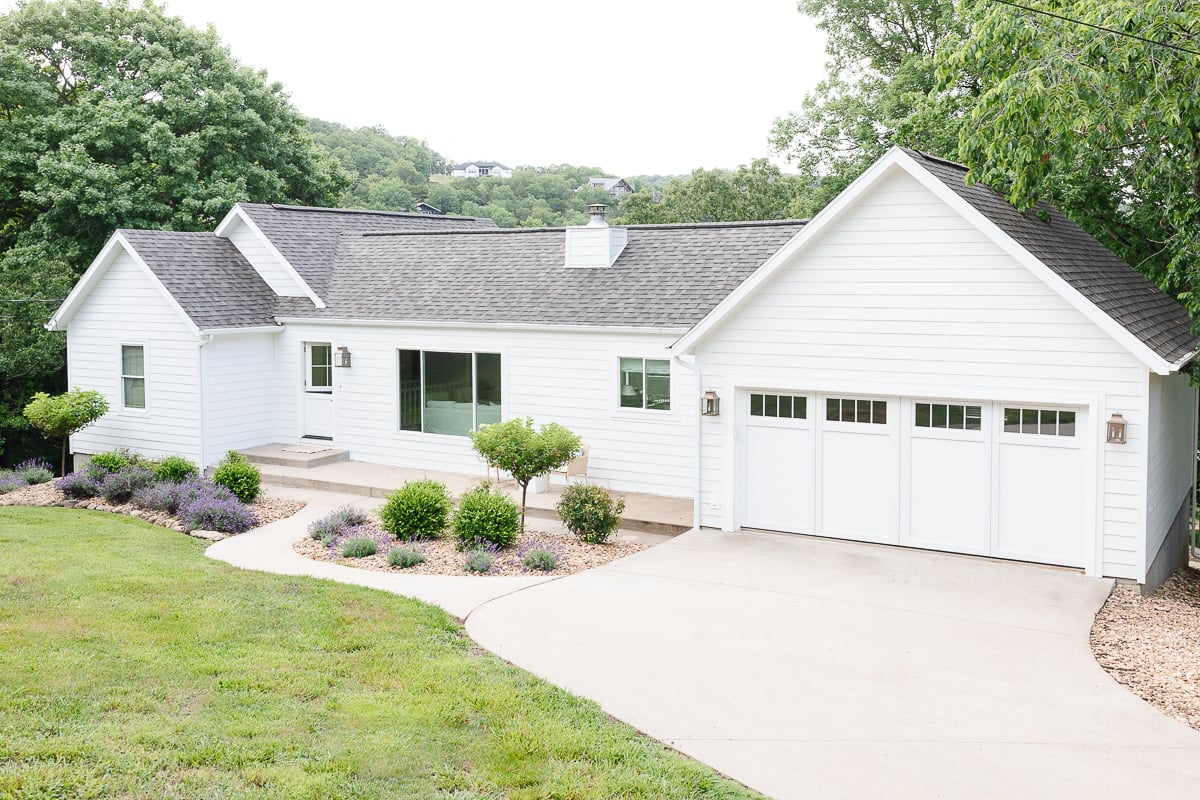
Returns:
<point x="949" y="416"/>
<point x="448" y="393"/>
<point x="646" y="383"/>
<point x="133" y="376"/>
<point x="321" y="368"/>
<point x="785" y="406"/>
<point x="849" y="410"/>
<point x="1039" y="421"/>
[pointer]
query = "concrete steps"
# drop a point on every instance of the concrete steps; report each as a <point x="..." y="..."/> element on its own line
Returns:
<point x="300" y="456"/>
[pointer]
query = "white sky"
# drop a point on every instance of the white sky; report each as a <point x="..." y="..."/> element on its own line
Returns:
<point x="631" y="86"/>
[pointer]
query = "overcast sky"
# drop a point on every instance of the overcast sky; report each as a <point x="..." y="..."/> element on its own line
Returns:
<point x="632" y="86"/>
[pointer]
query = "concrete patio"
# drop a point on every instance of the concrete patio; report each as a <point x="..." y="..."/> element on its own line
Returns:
<point x="329" y="470"/>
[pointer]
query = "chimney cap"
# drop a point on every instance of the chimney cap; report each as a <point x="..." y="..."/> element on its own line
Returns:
<point x="597" y="212"/>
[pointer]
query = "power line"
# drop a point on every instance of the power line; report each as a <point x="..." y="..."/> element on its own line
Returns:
<point x="1099" y="27"/>
<point x="32" y="300"/>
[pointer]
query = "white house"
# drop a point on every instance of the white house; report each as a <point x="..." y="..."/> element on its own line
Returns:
<point x="480" y="169"/>
<point x="919" y="365"/>
<point x="616" y="187"/>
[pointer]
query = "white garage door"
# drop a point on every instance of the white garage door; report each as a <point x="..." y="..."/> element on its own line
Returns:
<point x="975" y="477"/>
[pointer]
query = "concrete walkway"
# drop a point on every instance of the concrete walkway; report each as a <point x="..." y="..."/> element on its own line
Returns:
<point x="811" y="668"/>
<point x="269" y="549"/>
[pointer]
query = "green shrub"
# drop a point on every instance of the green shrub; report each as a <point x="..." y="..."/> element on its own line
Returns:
<point x="540" y="559"/>
<point x="486" y="516"/>
<point x="175" y="469"/>
<point x="105" y="463"/>
<point x="590" y="512"/>
<point x="417" y="510"/>
<point x="405" y="557"/>
<point x="34" y="470"/>
<point x="239" y="476"/>
<point x="479" y="561"/>
<point x="360" y="547"/>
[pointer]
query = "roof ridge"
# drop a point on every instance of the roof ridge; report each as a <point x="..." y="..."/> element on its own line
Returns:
<point x="367" y="211"/>
<point x="675" y="226"/>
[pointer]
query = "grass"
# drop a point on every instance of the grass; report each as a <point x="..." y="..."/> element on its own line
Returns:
<point x="132" y="666"/>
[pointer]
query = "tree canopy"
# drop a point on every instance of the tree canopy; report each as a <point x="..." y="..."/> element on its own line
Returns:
<point x="1100" y="123"/>
<point x="111" y="116"/>
<point x="757" y="191"/>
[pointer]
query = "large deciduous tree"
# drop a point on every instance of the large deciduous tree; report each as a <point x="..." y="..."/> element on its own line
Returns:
<point x="1102" y="124"/>
<point x="757" y="191"/>
<point x="881" y="89"/>
<point x="113" y="116"/>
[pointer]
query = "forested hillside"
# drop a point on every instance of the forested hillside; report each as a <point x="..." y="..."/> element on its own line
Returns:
<point x="396" y="172"/>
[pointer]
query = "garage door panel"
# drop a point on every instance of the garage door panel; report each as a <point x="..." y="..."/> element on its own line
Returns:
<point x="950" y="495"/>
<point x="779" y="478"/>
<point x="860" y="490"/>
<point x="1040" y="495"/>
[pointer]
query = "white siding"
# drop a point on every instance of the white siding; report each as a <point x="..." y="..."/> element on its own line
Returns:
<point x="564" y="377"/>
<point x="255" y="250"/>
<point x="239" y="393"/>
<point x="125" y="307"/>
<point x="1171" y="455"/>
<point x="902" y="296"/>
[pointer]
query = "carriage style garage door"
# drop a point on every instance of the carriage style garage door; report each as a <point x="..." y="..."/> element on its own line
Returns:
<point x="995" y="479"/>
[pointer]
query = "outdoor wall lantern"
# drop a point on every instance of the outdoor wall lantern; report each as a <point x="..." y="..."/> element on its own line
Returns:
<point x="710" y="404"/>
<point x="1116" y="429"/>
<point x="341" y="357"/>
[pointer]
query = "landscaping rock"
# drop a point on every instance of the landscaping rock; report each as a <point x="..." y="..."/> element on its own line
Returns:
<point x="212" y="536"/>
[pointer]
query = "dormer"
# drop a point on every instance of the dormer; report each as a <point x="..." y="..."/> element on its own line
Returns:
<point x="268" y="262"/>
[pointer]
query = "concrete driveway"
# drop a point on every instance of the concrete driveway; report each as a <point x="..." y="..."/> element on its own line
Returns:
<point x="809" y="668"/>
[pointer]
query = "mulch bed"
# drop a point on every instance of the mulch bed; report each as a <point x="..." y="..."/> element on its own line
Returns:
<point x="442" y="556"/>
<point x="1151" y="645"/>
<point x="268" y="509"/>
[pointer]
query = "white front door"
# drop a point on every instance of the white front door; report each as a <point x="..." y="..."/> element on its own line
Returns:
<point x="318" y="390"/>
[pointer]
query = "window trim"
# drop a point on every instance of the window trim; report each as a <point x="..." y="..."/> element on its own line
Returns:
<point x="121" y="376"/>
<point x="1022" y="436"/>
<point x="635" y="410"/>
<point x="474" y="353"/>
<point x="856" y="425"/>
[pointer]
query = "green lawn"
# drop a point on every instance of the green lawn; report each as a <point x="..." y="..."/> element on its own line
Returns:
<point x="133" y="666"/>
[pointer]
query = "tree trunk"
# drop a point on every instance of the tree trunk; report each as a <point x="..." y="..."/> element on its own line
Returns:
<point x="524" y="490"/>
<point x="63" y="466"/>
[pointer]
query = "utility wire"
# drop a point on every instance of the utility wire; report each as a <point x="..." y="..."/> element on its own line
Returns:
<point x="32" y="300"/>
<point x="1098" y="27"/>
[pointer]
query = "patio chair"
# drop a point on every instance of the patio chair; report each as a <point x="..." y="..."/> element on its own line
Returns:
<point x="576" y="467"/>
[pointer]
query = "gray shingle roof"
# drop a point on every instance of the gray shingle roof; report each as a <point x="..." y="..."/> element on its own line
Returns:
<point x="1116" y="288"/>
<point x="207" y="276"/>
<point x="667" y="276"/>
<point x="307" y="237"/>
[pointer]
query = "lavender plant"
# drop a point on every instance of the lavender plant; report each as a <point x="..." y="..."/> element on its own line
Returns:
<point x="209" y="512"/>
<point x="11" y="481"/>
<point x="119" y="486"/>
<point x="481" y="559"/>
<point x="78" y="485"/>
<point x="359" y="547"/>
<point x="405" y="557"/>
<point x="336" y="521"/>
<point x="35" y="470"/>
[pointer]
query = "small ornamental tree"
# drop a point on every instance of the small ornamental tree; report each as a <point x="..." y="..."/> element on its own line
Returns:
<point x="64" y="414"/>
<point x="524" y="452"/>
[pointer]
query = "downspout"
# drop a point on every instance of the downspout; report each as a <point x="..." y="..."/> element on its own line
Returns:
<point x="205" y="338"/>
<point x="1193" y="545"/>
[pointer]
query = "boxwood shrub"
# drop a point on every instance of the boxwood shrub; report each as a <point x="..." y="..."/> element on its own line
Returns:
<point x="175" y="469"/>
<point x="590" y="512"/>
<point x="486" y="516"/>
<point x="417" y="510"/>
<point x="239" y="476"/>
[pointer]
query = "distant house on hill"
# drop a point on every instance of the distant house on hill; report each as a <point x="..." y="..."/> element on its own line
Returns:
<point x="425" y="208"/>
<point x="481" y="169"/>
<point x="617" y="187"/>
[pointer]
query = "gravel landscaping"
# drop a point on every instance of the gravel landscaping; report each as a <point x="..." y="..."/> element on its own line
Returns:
<point x="442" y="556"/>
<point x="268" y="509"/>
<point x="1151" y="645"/>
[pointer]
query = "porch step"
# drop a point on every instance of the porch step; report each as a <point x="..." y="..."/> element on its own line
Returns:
<point x="666" y="516"/>
<point x="292" y="455"/>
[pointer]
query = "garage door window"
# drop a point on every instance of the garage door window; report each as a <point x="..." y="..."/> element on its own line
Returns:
<point x="785" y="406"/>
<point x="948" y="416"/>
<point x="839" y="409"/>
<point x="1039" y="421"/>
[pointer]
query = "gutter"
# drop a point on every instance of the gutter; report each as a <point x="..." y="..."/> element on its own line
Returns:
<point x="514" y="326"/>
